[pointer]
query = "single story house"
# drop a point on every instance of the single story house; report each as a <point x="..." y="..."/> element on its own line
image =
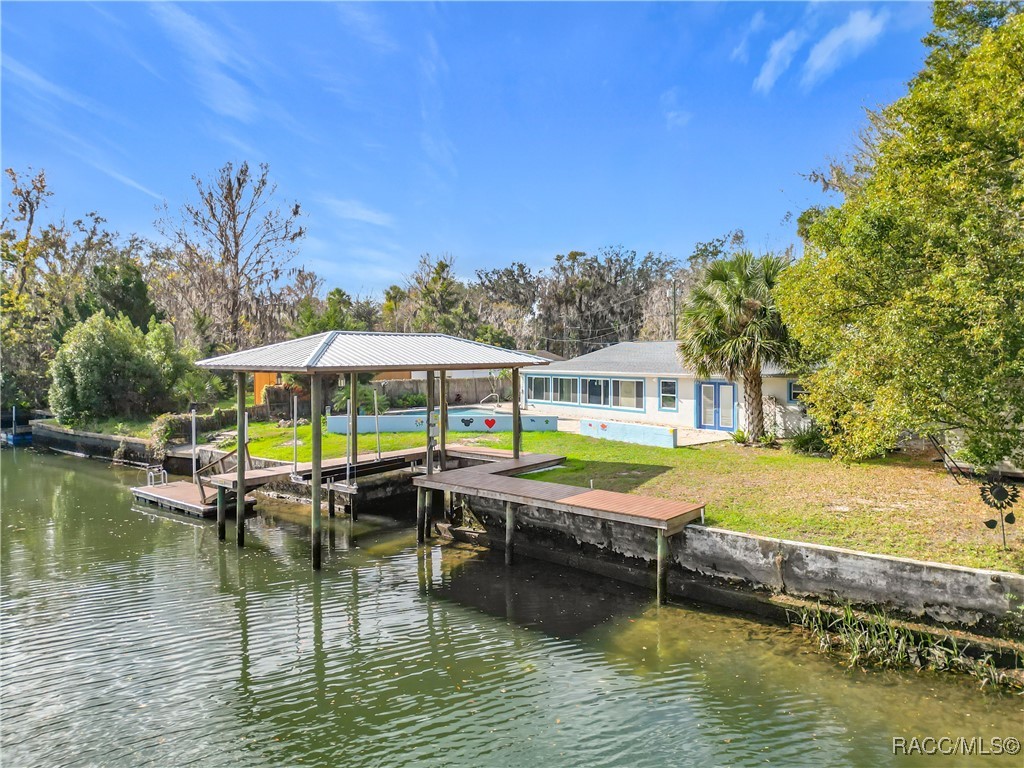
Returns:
<point x="646" y="382"/>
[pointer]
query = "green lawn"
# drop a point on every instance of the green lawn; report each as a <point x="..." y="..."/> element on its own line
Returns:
<point x="115" y="426"/>
<point x="901" y="505"/>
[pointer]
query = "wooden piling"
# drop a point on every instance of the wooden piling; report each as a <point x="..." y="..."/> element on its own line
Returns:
<point x="428" y="514"/>
<point x="517" y="421"/>
<point x="221" y="513"/>
<point x="663" y="563"/>
<point x="330" y="501"/>
<point x="510" y="532"/>
<point x="420" y="514"/>
<point x="240" y="456"/>
<point x="316" y="405"/>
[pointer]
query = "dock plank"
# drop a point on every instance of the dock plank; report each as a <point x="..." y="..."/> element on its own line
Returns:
<point x="490" y="481"/>
<point x="181" y="496"/>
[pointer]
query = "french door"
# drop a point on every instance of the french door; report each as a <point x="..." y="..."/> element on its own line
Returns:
<point x="716" y="405"/>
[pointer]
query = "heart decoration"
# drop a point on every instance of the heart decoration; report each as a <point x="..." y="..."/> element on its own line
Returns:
<point x="604" y="426"/>
<point x="490" y="423"/>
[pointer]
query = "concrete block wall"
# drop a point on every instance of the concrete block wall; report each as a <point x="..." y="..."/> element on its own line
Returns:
<point x="944" y="593"/>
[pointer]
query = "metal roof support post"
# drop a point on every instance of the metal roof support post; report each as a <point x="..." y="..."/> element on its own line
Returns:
<point x="429" y="498"/>
<point x="353" y="439"/>
<point x="517" y="425"/>
<point x="316" y="406"/>
<point x="240" y="457"/>
<point x="444" y="420"/>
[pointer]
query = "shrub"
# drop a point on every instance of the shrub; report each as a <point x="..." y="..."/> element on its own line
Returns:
<point x="809" y="439"/>
<point x="739" y="436"/>
<point x="364" y="394"/>
<point x="768" y="440"/>
<point x="102" y="369"/>
<point x="412" y="400"/>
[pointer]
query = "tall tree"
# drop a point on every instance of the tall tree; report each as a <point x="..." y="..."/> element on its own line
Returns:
<point x="441" y="300"/>
<point x="589" y="301"/>
<point x="231" y="250"/>
<point x="731" y="325"/>
<point x="908" y="299"/>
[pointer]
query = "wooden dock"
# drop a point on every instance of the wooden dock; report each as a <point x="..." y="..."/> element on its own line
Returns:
<point x="331" y="469"/>
<point x="182" y="496"/>
<point x="496" y="481"/>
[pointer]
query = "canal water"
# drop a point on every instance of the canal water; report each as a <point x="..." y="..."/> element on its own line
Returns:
<point x="135" y="638"/>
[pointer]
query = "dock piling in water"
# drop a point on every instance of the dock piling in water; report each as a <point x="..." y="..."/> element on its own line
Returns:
<point x="510" y="531"/>
<point x="221" y="513"/>
<point x="316" y="395"/>
<point x="239" y="456"/>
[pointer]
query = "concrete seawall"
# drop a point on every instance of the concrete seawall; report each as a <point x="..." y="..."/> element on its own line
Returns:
<point x="943" y="593"/>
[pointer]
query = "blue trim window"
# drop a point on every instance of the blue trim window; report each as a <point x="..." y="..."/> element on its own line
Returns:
<point x="539" y="387"/>
<point x="627" y="393"/>
<point x="565" y="389"/>
<point x="668" y="395"/>
<point x="594" y="391"/>
<point x="796" y="391"/>
<point x="715" y="403"/>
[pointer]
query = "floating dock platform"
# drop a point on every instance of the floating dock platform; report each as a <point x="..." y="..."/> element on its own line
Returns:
<point x="17" y="437"/>
<point x="184" y="496"/>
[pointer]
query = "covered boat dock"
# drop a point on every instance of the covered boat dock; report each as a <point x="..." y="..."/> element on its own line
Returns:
<point x="346" y="354"/>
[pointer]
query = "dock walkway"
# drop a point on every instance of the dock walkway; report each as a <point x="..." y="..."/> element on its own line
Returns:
<point x="495" y="481"/>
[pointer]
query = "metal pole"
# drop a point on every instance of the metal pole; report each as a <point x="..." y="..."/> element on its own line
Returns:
<point x="314" y="396"/>
<point x="376" y="422"/>
<point x="295" y="434"/>
<point x="517" y="426"/>
<point x="444" y="420"/>
<point x="240" y="456"/>
<point x="194" y="445"/>
<point x="430" y="412"/>
<point x="353" y="441"/>
<point x="674" y="312"/>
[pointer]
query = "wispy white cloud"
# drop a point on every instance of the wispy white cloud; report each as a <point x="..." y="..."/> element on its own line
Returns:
<point x="354" y="210"/>
<point x="213" y="60"/>
<point x="39" y="86"/>
<point x="675" y="115"/>
<point x="843" y="43"/>
<point x="438" y="149"/>
<point x="741" y="52"/>
<point x="780" y="56"/>
<point x="367" y="26"/>
<point x="88" y="153"/>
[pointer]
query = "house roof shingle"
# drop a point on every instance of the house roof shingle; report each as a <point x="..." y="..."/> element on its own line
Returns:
<point x="645" y="358"/>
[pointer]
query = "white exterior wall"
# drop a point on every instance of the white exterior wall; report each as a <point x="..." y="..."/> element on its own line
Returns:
<point x="779" y="412"/>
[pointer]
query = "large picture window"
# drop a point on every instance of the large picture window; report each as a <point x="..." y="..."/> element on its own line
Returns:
<point x="627" y="394"/>
<point x="594" y="391"/>
<point x="565" y="390"/>
<point x="540" y="388"/>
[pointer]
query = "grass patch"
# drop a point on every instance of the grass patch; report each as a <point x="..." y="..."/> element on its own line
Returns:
<point x="906" y="506"/>
<point x="114" y="426"/>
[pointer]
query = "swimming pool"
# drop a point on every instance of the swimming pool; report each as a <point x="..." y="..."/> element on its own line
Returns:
<point x="460" y="419"/>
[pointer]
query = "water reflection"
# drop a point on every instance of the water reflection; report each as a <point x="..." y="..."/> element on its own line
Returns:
<point x="143" y="640"/>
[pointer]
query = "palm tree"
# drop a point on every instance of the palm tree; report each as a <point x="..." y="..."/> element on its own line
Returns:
<point x="731" y="325"/>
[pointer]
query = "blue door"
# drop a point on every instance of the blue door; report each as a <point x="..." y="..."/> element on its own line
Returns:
<point x="716" y="405"/>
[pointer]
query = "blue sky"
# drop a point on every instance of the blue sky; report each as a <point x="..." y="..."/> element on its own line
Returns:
<point x="491" y="131"/>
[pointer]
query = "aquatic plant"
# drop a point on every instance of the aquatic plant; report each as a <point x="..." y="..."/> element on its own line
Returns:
<point x="877" y="639"/>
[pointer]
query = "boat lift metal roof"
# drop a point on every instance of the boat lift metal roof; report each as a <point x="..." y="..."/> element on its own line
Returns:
<point x="363" y="351"/>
